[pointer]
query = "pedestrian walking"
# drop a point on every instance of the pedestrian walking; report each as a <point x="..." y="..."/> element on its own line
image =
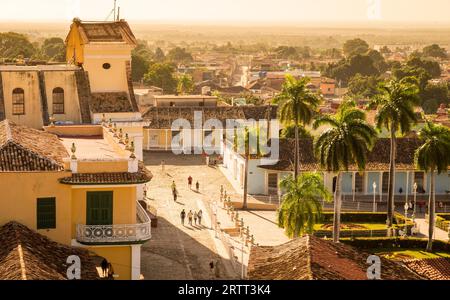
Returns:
<point x="197" y="186"/>
<point x="195" y="218"/>
<point x="190" y="215"/>
<point x="211" y="267"/>
<point x="182" y="216"/>
<point x="104" y="266"/>
<point x="173" y="186"/>
<point x="175" y="195"/>
<point x="200" y="215"/>
<point x="190" y="182"/>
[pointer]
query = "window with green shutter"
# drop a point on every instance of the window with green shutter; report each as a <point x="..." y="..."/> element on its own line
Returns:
<point x="46" y="213"/>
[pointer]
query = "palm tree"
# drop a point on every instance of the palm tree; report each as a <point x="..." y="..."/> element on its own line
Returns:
<point x="297" y="106"/>
<point x="248" y="136"/>
<point x="343" y="144"/>
<point x="185" y="84"/>
<point x="395" y="106"/>
<point x="433" y="156"/>
<point x="301" y="207"/>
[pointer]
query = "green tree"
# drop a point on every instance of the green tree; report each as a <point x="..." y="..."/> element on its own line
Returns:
<point x="345" y="143"/>
<point x="301" y="208"/>
<point x="432" y="67"/>
<point x="14" y="45"/>
<point x="251" y="99"/>
<point x="297" y="106"/>
<point x="363" y="86"/>
<point x="433" y="156"/>
<point x="432" y="96"/>
<point x="162" y="75"/>
<point x="159" y="55"/>
<point x="185" y="84"/>
<point x="179" y="55"/>
<point x="355" y="46"/>
<point x="434" y="51"/>
<point x="54" y="49"/>
<point x="289" y="132"/>
<point x="395" y="105"/>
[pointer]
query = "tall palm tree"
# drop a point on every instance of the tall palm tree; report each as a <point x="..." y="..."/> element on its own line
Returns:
<point x="433" y="156"/>
<point x="301" y="207"/>
<point x="248" y="136"/>
<point x="297" y="106"/>
<point x="395" y="105"/>
<point x="343" y="144"/>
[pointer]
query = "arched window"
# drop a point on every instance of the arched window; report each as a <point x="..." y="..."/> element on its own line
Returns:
<point x="18" y="101"/>
<point x="58" y="100"/>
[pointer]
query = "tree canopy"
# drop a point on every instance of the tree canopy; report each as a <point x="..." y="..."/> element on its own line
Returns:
<point x="355" y="46"/>
<point x="162" y="75"/>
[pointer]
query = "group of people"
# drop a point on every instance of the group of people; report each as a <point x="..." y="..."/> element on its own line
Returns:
<point x="197" y="185"/>
<point x="195" y="216"/>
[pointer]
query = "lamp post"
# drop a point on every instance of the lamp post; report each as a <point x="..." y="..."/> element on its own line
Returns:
<point x="406" y="218"/>
<point x="374" y="185"/>
<point x="415" y="198"/>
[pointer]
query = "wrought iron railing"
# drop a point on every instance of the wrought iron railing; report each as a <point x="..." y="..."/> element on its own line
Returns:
<point x="117" y="233"/>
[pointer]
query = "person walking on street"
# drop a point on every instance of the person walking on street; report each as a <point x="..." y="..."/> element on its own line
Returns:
<point x="190" y="182"/>
<point x="175" y="195"/>
<point x="199" y="215"/>
<point x="197" y="186"/>
<point x="195" y="218"/>
<point x="182" y="216"/>
<point x="190" y="215"/>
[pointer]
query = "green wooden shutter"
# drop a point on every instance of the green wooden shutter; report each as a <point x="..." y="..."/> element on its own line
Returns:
<point x="99" y="208"/>
<point x="46" y="213"/>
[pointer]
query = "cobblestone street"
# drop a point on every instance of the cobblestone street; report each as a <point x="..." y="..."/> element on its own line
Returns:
<point x="176" y="251"/>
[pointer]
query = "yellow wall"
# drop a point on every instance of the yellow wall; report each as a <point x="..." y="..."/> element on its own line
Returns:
<point x="119" y="257"/>
<point x="18" y="201"/>
<point x="113" y="79"/>
<point x="74" y="46"/>
<point x="66" y="81"/>
<point x="102" y="166"/>
<point x="29" y="82"/>
<point x="124" y="205"/>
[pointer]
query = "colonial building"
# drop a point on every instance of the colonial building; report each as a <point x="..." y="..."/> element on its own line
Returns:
<point x="78" y="186"/>
<point x="94" y="84"/>
<point x="264" y="179"/>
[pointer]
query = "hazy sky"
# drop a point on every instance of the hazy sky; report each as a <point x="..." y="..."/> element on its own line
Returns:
<point x="232" y="10"/>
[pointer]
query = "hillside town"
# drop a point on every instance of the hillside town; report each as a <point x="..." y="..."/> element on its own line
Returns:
<point x="144" y="160"/>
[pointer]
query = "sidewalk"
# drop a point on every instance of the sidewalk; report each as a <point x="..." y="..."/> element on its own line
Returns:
<point x="439" y="234"/>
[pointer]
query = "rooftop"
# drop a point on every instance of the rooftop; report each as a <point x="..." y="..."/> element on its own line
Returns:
<point x="27" y="149"/>
<point x="28" y="255"/>
<point x="20" y="68"/>
<point x="312" y="258"/>
<point x="91" y="148"/>
<point x="116" y="32"/>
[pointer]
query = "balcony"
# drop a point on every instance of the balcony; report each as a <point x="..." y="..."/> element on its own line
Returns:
<point x="117" y="233"/>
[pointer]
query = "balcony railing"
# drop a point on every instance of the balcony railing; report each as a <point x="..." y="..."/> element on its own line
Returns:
<point x="117" y="233"/>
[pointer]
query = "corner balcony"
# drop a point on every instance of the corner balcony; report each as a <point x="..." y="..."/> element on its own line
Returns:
<point x="124" y="234"/>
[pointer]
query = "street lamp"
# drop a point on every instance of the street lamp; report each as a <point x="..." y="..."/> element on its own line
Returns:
<point x="406" y="218"/>
<point x="415" y="197"/>
<point x="374" y="185"/>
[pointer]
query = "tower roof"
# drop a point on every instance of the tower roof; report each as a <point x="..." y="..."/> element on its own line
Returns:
<point x="109" y="32"/>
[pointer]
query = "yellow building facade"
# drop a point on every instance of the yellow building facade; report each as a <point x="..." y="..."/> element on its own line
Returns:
<point x="55" y="184"/>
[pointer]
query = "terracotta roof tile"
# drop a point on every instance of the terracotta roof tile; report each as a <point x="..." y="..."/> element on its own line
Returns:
<point x="27" y="149"/>
<point x="28" y="255"/>
<point x="110" y="102"/>
<point x="377" y="159"/>
<point x="140" y="177"/>
<point x="118" y="31"/>
<point x="312" y="258"/>
<point x="433" y="269"/>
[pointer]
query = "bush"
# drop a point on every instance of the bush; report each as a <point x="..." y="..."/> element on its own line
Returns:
<point x="443" y="221"/>
<point x="364" y="217"/>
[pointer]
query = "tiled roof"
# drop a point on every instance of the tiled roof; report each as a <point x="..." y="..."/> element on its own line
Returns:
<point x="377" y="159"/>
<point x="27" y="149"/>
<point x="118" y="31"/>
<point x="433" y="268"/>
<point x="162" y="117"/>
<point x="28" y="255"/>
<point x="140" y="177"/>
<point x="110" y="102"/>
<point x="312" y="258"/>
